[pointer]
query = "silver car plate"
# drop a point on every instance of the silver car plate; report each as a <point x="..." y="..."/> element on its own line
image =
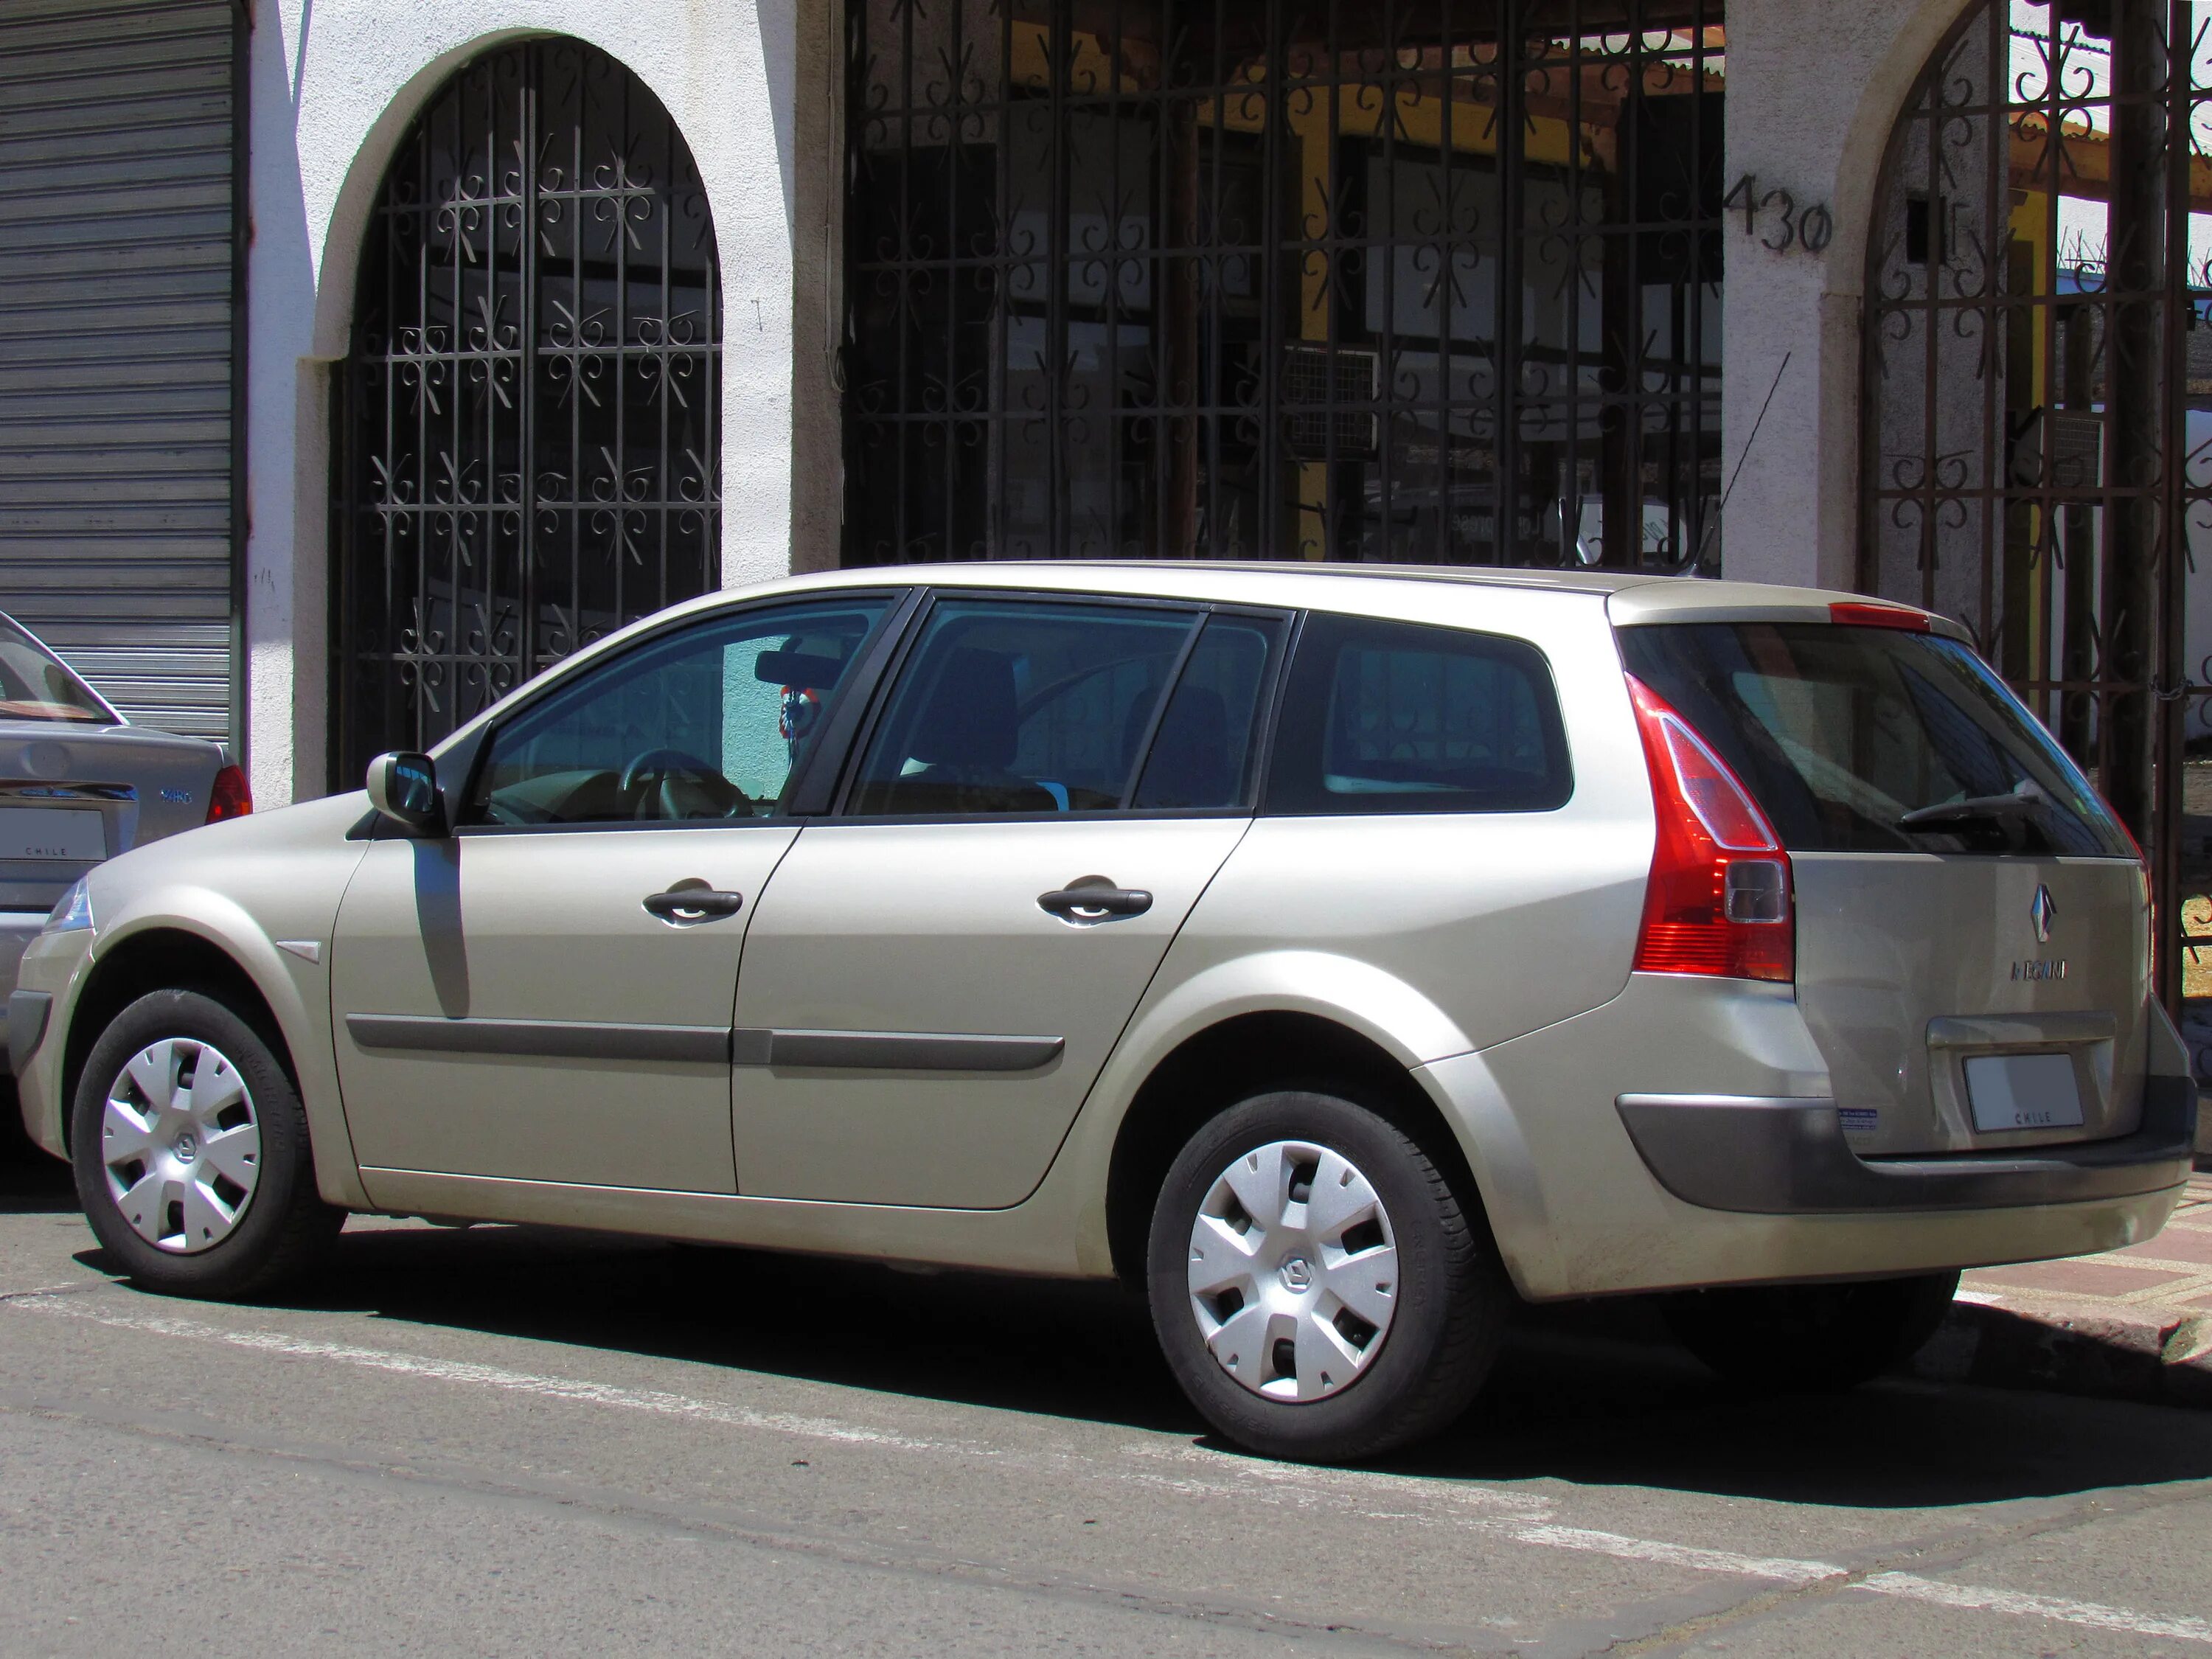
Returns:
<point x="52" y="832"/>
<point x="2023" y="1091"/>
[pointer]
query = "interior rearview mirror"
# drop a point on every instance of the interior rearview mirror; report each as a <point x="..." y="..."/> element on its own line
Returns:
<point x="807" y="668"/>
<point x="404" y="787"/>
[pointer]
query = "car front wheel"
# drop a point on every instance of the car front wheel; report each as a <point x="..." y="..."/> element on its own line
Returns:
<point x="190" y="1150"/>
<point x="1319" y="1289"/>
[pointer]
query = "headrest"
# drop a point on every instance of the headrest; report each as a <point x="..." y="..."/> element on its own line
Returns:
<point x="969" y="717"/>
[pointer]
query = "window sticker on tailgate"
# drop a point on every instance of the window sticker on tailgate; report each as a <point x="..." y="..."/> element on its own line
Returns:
<point x="1860" y="1119"/>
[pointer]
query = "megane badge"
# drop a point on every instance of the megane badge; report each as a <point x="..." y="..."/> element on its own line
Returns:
<point x="2042" y="913"/>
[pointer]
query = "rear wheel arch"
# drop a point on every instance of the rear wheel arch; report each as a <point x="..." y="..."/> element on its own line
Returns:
<point x="164" y="959"/>
<point x="1234" y="1060"/>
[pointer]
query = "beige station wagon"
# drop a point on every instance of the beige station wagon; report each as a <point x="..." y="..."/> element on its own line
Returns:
<point x="1334" y="953"/>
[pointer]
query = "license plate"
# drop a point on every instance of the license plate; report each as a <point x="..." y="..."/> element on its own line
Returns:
<point x="2023" y="1091"/>
<point x="52" y="832"/>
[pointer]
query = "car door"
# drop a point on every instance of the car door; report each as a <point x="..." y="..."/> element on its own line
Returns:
<point x="938" y="971"/>
<point x="546" y="994"/>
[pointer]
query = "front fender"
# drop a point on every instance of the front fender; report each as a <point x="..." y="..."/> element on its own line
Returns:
<point x="296" y="991"/>
<point x="242" y="885"/>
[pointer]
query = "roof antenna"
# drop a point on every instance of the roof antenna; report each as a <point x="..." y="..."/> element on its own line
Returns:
<point x="1741" y="459"/>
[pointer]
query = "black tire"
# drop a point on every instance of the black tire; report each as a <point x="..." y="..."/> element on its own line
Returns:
<point x="1810" y="1338"/>
<point x="282" y="1230"/>
<point x="1451" y="1298"/>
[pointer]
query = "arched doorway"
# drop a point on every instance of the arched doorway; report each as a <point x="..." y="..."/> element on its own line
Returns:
<point x="2038" y="393"/>
<point x="528" y="426"/>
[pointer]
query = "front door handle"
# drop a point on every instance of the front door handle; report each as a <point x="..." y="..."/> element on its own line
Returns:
<point x="681" y="906"/>
<point x="1094" y="898"/>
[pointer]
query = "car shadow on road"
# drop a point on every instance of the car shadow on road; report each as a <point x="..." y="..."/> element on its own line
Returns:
<point x="31" y="1183"/>
<point x="1592" y="1395"/>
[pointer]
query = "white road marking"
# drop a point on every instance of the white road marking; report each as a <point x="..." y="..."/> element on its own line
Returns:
<point x="2175" y="1628"/>
<point x="1294" y="1483"/>
<point x="1779" y="1568"/>
<point x="494" y="1376"/>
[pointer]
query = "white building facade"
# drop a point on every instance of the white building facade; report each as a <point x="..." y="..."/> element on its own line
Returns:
<point x="1498" y="281"/>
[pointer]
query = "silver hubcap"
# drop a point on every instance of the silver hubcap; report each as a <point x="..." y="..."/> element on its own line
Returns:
<point x="1293" y="1271"/>
<point x="181" y="1144"/>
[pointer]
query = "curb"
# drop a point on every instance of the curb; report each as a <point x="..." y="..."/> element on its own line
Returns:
<point x="2164" y="1358"/>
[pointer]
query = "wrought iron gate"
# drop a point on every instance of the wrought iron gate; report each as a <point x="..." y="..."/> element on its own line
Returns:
<point x="1428" y="280"/>
<point x="2037" y="451"/>
<point x="529" y="426"/>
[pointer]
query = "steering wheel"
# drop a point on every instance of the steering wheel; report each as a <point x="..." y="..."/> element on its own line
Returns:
<point x="713" y="795"/>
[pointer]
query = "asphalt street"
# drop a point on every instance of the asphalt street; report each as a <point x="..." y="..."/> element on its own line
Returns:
<point x="504" y="1440"/>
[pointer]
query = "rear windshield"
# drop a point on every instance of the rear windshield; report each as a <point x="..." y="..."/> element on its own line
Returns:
<point x="1875" y="739"/>
<point x="34" y="686"/>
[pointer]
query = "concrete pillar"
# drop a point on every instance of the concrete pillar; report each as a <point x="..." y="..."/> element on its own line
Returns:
<point x="1813" y="90"/>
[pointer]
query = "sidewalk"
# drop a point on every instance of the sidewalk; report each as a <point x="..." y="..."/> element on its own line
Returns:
<point x="2132" y="1324"/>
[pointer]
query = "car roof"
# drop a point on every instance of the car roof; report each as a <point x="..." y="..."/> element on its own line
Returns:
<point x="1631" y="598"/>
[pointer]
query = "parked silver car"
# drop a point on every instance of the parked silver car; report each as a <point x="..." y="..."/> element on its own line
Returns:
<point x="78" y="784"/>
<point x="1331" y="952"/>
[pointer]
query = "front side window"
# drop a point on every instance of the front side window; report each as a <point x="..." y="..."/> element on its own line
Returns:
<point x="1874" y="739"/>
<point x="707" y="724"/>
<point x="1022" y="707"/>
<point x="1396" y="717"/>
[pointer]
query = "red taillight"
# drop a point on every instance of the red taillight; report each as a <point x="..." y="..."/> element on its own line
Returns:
<point x="230" y="797"/>
<point x="1719" y="899"/>
<point x="1850" y="613"/>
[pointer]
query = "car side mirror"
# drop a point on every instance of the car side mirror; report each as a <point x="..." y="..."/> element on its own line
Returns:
<point x="403" y="788"/>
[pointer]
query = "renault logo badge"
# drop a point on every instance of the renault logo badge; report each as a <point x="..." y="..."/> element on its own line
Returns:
<point x="2042" y="913"/>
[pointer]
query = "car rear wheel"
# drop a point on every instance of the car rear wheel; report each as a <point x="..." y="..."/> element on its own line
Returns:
<point x="1809" y="1338"/>
<point x="191" y="1154"/>
<point x="1319" y="1289"/>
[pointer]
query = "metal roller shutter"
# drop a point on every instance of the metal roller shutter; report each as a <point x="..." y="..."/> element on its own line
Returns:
<point x="119" y="282"/>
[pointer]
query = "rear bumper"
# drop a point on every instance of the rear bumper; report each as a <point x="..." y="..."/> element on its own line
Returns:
<point x="1784" y="1156"/>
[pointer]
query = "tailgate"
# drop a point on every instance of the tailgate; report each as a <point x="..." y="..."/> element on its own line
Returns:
<point x="1972" y="924"/>
<point x="1922" y="976"/>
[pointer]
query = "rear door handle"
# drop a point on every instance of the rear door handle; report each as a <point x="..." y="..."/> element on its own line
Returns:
<point x="681" y="906"/>
<point x="1094" y="898"/>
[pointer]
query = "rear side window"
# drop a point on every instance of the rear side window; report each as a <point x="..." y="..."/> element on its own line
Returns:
<point x="1394" y="717"/>
<point x="1875" y="739"/>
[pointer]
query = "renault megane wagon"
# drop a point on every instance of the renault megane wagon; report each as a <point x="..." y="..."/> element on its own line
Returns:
<point x="1331" y="953"/>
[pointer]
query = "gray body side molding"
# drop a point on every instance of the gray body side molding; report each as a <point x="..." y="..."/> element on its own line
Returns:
<point x="1759" y="1156"/>
<point x="706" y="1045"/>
<point x="542" y="1039"/>
<point x="897" y="1051"/>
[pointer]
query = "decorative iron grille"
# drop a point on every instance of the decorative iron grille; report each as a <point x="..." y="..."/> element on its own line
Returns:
<point x="2038" y="449"/>
<point x="529" y="426"/>
<point x="1425" y="280"/>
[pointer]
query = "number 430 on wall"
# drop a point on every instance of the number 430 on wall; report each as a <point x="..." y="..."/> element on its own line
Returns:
<point x="1786" y="225"/>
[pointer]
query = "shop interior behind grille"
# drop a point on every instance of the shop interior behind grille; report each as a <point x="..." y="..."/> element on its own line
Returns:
<point x="1434" y="283"/>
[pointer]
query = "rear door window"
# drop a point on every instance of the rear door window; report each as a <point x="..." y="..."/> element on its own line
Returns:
<point x="1397" y="717"/>
<point x="1201" y="756"/>
<point x="1875" y="739"/>
<point x="1022" y="707"/>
